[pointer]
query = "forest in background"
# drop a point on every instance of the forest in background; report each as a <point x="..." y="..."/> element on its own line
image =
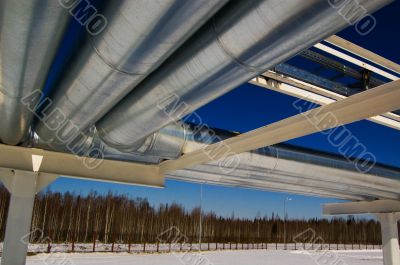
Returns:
<point x="68" y="217"/>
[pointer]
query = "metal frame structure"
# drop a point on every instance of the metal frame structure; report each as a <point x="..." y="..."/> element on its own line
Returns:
<point x="315" y="94"/>
<point x="364" y="53"/>
<point x="370" y="103"/>
<point x="25" y="171"/>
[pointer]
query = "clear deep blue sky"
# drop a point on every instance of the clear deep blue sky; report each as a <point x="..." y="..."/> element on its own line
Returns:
<point x="249" y="107"/>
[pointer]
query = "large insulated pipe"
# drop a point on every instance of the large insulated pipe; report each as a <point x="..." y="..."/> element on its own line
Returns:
<point x="281" y="167"/>
<point x="243" y="40"/>
<point x="291" y="168"/>
<point x="30" y="33"/>
<point x="139" y="36"/>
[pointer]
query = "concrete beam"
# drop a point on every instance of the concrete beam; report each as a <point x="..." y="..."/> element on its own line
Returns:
<point x="362" y="207"/>
<point x="69" y="165"/>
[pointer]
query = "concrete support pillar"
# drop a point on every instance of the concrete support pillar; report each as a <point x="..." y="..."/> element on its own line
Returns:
<point x="390" y="238"/>
<point x="23" y="186"/>
<point x="388" y="213"/>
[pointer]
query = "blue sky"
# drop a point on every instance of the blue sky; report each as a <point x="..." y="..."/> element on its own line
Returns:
<point x="249" y="107"/>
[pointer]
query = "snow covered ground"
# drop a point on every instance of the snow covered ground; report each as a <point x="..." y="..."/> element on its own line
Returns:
<point x="166" y="247"/>
<point x="227" y="257"/>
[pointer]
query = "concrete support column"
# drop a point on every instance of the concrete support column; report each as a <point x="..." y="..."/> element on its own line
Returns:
<point x="23" y="190"/>
<point x="23" y="186"/>
<point x="388" y="213"/>
<point x="390" y="238"/>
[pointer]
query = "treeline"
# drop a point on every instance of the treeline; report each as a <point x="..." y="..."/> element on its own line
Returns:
<point x="67" y="217"/>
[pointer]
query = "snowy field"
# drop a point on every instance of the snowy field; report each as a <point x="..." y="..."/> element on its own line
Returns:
<point x="166" y="247"/>
<point x="227" y="257"/>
